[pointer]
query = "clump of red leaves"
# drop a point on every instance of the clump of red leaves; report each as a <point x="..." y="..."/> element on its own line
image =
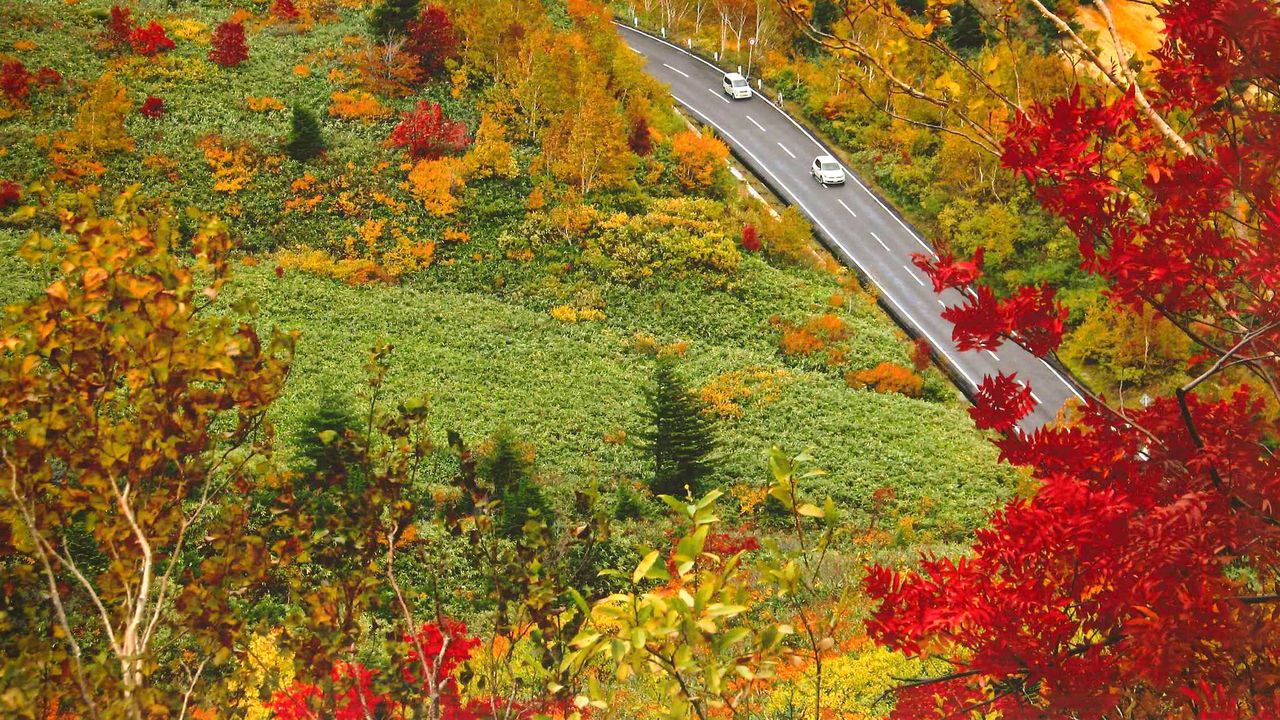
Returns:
<point x="425" y="132"/>
<point x="150" y="40"/>
<point x="228" y="46"/>
<point x="152" y="107"/>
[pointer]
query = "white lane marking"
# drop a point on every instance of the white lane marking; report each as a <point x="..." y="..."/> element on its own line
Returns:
<point x="753" y="122"/>
<point x="785" y="150"/>
<point x="1033" y="397"/>
<point x="913" y="275"/>
<point x="944" y="305"/>
<point x="795" y="198"/>
<point x="809" y="135"/>
<point x="846" y="207"/>
<point x="993" y="356"/>
<point x="633" y="50"/>
<point x="877" y="237"/>
<point x="718" y="94"/>
<point x="676" y="69"/>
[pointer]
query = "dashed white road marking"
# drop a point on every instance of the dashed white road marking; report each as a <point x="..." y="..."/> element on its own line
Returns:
<point x="877" y="237"/>
<point x="796" y="198"/>
<point x="718" y="94"/>
<point x="753" y="122"/>
<point x="1033" y="397"/>
<point x="944" y="305"/>
<point x="913" y="275"/>
<point x="993" y="356"/>
<point x="806" y="132"/>
<point x="846" y="207"/>
<point x="785" y="150"/>
<point x="676" y="69"/>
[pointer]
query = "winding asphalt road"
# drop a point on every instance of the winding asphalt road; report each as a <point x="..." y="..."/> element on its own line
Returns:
<point x="855" y="224"/>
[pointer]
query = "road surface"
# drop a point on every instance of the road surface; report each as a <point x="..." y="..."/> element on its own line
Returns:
<point x="856" y="225"/>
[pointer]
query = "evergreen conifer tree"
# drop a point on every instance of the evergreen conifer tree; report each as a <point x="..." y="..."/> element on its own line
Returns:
<point x="317" y="452"/>
<point x="680" y="438"/>
<point x="508" y="469"/>
<point x="392" y="17"/>
<point x="305" y="140"/>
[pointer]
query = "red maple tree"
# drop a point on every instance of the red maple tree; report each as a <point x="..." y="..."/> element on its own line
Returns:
<point x="228" y="47"/>
<point x="425" y="132"/>
<point x="1140" y="580"/>
<point x="152" y="107"/>
<point x="119" y="27"/>
<point x="432" y="40"/>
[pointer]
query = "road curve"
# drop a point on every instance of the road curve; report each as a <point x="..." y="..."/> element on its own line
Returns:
<point x="855" y="224"/>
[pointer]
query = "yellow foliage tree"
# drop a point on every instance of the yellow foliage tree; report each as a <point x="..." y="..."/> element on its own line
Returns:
<point x="436" y="184"/>
<point x="357" y="105"/>
<point x="491" y="154"/>
<point x="700" y="159"/>
<point x="97" y="131"/>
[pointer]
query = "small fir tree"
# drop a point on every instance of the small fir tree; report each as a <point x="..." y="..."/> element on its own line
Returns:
<point x="508" y="468"/>
<point x="305" y="139"/>
<point x="318" y="443"/>
<point x="680" y="437"/>
<point x="392" y="18"/>
<point x="228" y="46"/>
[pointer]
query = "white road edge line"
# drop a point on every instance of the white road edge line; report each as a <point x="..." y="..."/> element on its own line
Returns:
<point x="785" y="150"/>
<point x="877" y="237"/>
<point x="753" y="122"/>
<point x="937" y="345"/>
<point x="675" y="69"/>
<point x="720" y="95"/>
<point x="806" y="132"/>
<point x="913" y="275"/>
<point x="993" y="356"/>
<point x="846" y="207"/>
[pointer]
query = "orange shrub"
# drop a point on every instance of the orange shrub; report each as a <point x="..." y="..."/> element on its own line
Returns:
<point x="701" y="158"/>
<point x="799" y="341"/>
<point x="887" y="378"/>
<point x="357" y="105"/>
<point x="436" y="184"/>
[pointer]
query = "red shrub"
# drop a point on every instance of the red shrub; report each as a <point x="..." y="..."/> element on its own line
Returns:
<point x="153" y="107"/>
<point x="431" y="40"/>
<point x="640" y="142"/>
<point x="921" y="354"/>
<point x="285" y="10"/>
<point x="15" y="81"/>
<point x="150" y="40"/>
<point x="427" y="133"/>
<point x="750" y="239"/>
<point x="228" y="45"/>
<point x="48" y="77"/>
<point x="10" y="193"/>
<point x="119" y="27"/>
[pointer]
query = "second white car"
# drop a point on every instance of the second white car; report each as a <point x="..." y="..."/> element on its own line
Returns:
<point x="827" y="171"/>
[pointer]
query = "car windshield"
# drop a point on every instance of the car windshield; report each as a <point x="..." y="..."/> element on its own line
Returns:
<point x="828" y="165"/>
<point x="738" y="82"/>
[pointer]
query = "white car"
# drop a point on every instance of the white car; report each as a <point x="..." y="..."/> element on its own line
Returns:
<point x="736" y="86"/>
<point x="827" y="171"/>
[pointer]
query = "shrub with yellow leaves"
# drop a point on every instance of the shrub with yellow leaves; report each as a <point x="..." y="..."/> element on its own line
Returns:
<point x="266" y="667"/>
<point x="436" y="184"/>
<point x="232" y="163"/>
<point x="491" y="154"/>
<point x="726" y="393"/>
<point x="263" y="104"/>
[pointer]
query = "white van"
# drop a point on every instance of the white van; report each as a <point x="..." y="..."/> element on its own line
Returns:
<point x="736" y="86"/>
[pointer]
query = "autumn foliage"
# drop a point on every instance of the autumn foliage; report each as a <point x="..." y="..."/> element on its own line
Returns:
<point x="1140" y="578"/>
<point x="701" y="159"/>
<point x="425" y="132"/>
<point x="150" y="40"/>
<point x="431" y="40"/>
<point x="228" y="46"/>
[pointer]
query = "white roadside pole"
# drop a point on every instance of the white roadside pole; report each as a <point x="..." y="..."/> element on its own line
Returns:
<point x="751" y="49"/>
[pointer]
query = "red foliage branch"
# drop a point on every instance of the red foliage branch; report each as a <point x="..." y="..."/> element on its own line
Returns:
<point x="150" y="40"/>
<point x="1143" y="571"/>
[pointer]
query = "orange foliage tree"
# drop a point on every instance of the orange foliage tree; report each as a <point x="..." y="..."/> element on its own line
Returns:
<point x="97" y="131"/>
<point x="700" y="159"/>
